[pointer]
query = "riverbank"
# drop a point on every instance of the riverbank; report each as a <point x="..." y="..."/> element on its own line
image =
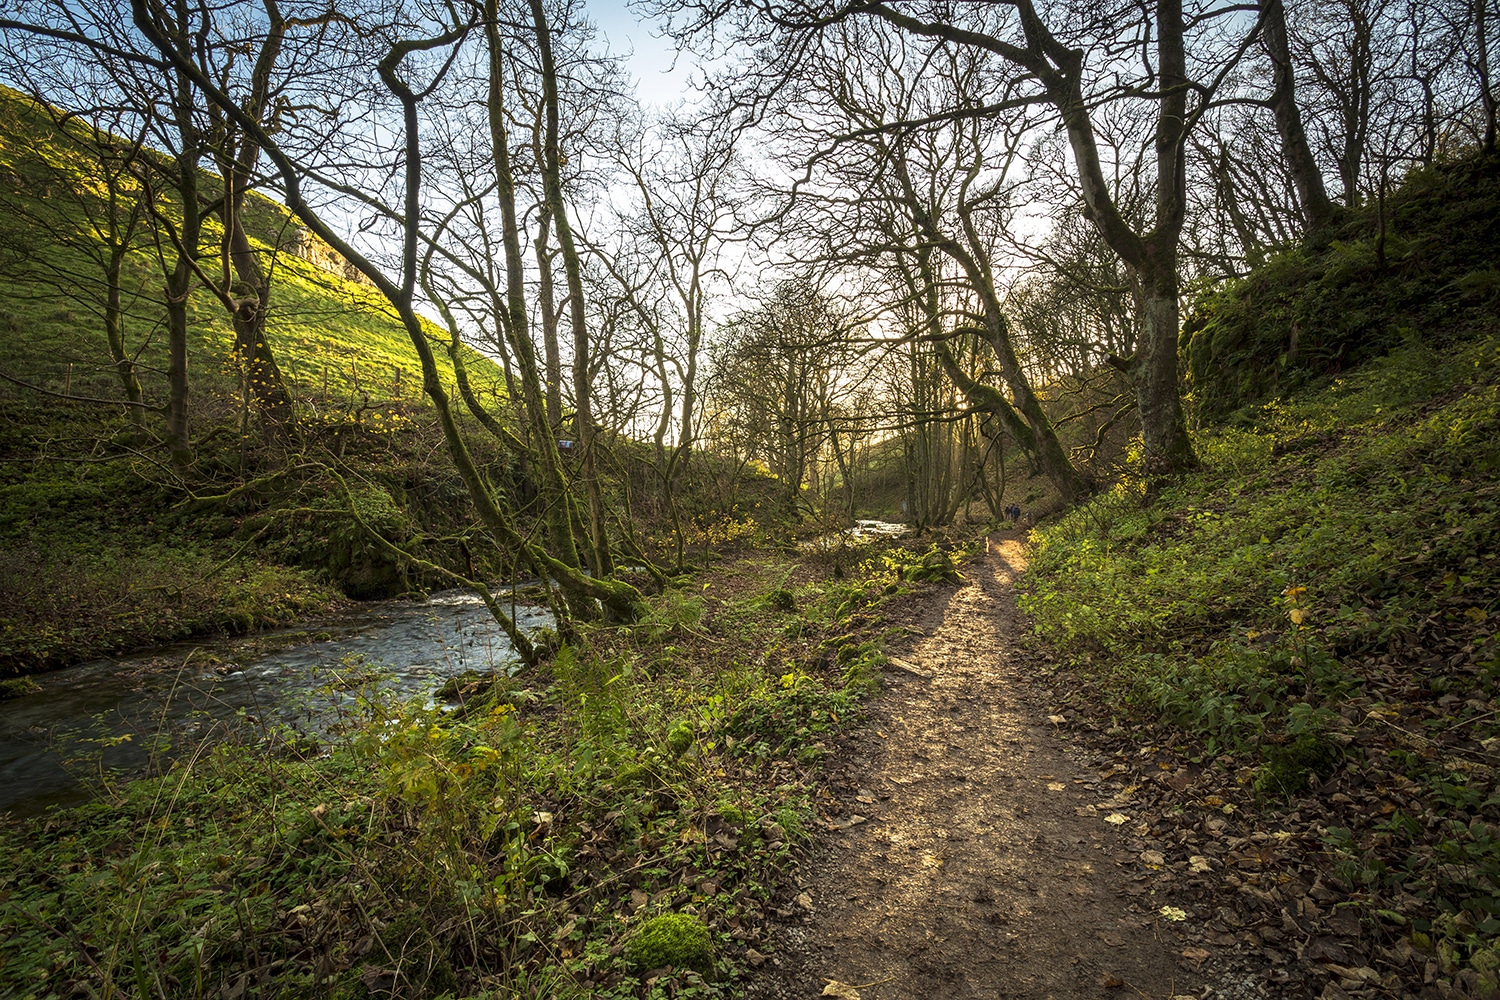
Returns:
<point x="521" y="844"/>
<point x="134" y="715"/>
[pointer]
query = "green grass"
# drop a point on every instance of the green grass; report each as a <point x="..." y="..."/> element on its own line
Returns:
<point x="526" y="846"/>
<point x="1322" y="597"/>
<point x="1312" y="312"/>
<point x="334" y="338"/>
<point x="1377" y="495"/>
<point x="106" y="547"/>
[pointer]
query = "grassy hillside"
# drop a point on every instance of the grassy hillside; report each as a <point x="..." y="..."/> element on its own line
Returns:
<point x="334" y="338"/>
<point x="102" y="545"/>
<point x="1308" y="626"/>
<point x="1425" y="263"/>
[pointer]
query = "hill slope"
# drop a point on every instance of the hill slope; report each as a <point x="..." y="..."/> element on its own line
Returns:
<point x="1308" y="627"/>
<point x="252" y="533"/>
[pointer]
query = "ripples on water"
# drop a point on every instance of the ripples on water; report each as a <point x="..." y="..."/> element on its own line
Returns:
<point x="861" y="533"/>
<point x="115" y="715"/>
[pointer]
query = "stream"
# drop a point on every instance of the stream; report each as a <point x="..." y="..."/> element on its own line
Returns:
<point x="123" y="716"/>
<point x="861" y="533"/>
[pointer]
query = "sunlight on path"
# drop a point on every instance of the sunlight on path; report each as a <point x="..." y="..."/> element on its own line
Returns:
<point x="973" y="874"/>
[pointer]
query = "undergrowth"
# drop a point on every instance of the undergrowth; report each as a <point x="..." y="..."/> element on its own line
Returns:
<point x="528" y="843"/>
<point x="1322" y="597"/>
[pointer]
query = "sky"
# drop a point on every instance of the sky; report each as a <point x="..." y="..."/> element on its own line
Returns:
<point x="662" y="76"/>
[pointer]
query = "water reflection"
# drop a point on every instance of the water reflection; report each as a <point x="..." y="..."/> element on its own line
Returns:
<point x="122" y="715"/>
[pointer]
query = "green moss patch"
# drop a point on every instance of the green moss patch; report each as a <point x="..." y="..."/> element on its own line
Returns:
<point x="678" y="940"/>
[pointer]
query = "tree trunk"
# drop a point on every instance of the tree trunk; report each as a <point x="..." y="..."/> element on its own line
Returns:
<point x="603" y="563"/>
<point x="180" y="280"/>
<point x="114" y="331"/>
<point x="1482" y="68"/>
<point x="556" y="494"/>
<point x="1318" y="211"/>
<point x="259" y="372"/>
<point x="1154" y="374"/>
<point x="547" y="303"/>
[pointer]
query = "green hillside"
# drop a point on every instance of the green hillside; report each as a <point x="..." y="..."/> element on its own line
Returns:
<point x="333" y="337"/>
<point x="1423" y="265"/>
<point x="88" y="509"/>
<point x="1307" y="624"/>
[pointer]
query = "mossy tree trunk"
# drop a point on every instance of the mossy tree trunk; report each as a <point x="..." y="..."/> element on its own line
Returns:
<point x="601" y="560"/>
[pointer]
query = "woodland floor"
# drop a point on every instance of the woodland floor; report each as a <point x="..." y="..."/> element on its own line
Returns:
<point x="970" y="848"/>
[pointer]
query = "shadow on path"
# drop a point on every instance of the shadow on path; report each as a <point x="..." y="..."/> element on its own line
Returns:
<point x="981" y="868"/>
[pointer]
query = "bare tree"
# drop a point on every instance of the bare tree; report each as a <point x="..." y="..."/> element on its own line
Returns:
<point x="1317" y="209"/>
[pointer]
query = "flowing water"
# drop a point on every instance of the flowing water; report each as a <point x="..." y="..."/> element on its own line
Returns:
<point x="128" y="715"/>
<point x="861" y="533"/>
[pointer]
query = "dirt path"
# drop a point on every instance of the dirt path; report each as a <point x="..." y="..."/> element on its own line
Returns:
<point x="969" y="854"/>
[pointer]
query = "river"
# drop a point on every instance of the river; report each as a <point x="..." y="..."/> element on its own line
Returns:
<point x="123" y="716"/>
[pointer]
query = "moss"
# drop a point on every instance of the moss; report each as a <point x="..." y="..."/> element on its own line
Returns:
<point x="1321" y="309"/>
<point x="1287" y="770"/>
<point x="935" y="566"/>
<point x="680" y="737"/>
<point x="862" y="663"/>
<point x="676" y="939"/>
<point x="781" y="599"/>
<point x="17" y="687"/>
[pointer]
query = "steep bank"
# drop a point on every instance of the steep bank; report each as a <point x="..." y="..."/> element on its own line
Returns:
<point x="1308" y="627"/>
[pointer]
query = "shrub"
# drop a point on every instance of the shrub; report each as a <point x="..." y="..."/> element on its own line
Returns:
<point x="680" y="737"/>
<point x="1287" y="769"/>
<point x="781" y="599"/>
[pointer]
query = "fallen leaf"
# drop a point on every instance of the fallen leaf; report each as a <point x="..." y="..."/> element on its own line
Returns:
<point x="1153" y="858"/>
<point x="1111" y="982"/>
<point x="1055" y="786"/>
<point x="1057" y="720"/>
<point x="1173" y="913"/>
<point x="1195" y="954"/>
<point x="1198" y="863"/>
<point x="838" y="989"/>
<point x="930" y="860"/>
<point x="1116" y="819"/>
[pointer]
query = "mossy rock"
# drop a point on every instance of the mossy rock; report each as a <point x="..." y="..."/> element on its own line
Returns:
<point x="1287" y="770"/>
<point x="781" y="599"/>
<point x="680" y="737"/>
<point x="18" y="687"/>
<point x="676" y="939"/>
<point x="935" y="566"/>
